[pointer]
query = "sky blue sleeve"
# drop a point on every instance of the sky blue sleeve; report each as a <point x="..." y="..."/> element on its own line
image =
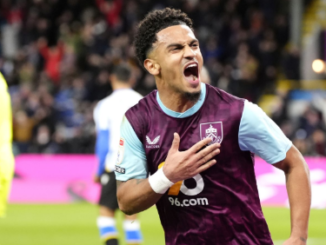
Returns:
<point x="102" y="149"/>
<point x="131" y="162"/>
<point x="260" y="135"/>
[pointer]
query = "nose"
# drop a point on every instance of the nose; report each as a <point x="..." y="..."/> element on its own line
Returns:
<point x="189" y="53"/>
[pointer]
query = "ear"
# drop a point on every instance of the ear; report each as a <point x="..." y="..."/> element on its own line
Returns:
<point x="152" y="67"/>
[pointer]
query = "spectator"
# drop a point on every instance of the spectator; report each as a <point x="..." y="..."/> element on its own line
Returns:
<point x="64" y="51"/>
<point x="23" y="130"/>
<point x="319" y="142"/>
<point x="291" y="64"/>
<point x="52" y="56"/>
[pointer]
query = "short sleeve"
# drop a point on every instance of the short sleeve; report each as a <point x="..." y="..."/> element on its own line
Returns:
<point x="131" y="161"/>
<point x="260" y="135"/>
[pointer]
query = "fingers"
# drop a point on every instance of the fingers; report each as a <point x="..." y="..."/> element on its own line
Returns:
<point x="175" y="143"/>
<point x="196" y="147"/>
<point x="207" y="150"/>
<point x="203" y="157"/>
<point x="205" y="166"/>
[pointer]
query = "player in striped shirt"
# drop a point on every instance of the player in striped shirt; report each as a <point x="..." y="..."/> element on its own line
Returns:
<point x="108" y="114"/>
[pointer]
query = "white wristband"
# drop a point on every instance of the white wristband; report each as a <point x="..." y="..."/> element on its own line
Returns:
<point x="159" y="182"/>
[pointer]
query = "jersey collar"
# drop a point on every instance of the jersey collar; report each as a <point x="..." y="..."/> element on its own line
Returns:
<point x="188" y="112"/>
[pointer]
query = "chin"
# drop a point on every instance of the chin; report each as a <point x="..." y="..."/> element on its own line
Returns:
<point x="193" y="94"/>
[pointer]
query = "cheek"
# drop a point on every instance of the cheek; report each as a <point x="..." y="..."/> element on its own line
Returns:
<point x="171" y="67"/>
<point x="199" y="57"/>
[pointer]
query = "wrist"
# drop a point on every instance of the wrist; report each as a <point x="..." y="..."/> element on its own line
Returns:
<point x="159" y="182"/>
<point x="302" y="236"/>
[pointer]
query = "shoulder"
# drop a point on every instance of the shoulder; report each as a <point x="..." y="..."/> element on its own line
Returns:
<point x="135" y="94"/>
<point x="255" y="119"/>
<point x="228" y="105"/>
<point x="133" y="97"/>
<point x="252" y="111"/>
<point x="223" y="95"/>
<point x="104" y="102"/>
<point x="125" y="98"/>
<point x="144" y="105"/>
<point x="100" y="114"/>
<point x="139" y="114"/>
<point x="101" y="105"/>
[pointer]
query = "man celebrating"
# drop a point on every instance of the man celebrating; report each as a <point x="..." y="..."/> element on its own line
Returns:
<point x="203" y="184"/>
<point x="6" y="156"/>
<point x="108" y="114"/>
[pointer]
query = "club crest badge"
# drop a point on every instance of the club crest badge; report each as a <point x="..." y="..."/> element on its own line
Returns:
<point x="213" y="130"/>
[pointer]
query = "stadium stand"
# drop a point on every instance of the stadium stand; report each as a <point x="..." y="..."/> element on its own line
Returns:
<point x="57" y="55"/>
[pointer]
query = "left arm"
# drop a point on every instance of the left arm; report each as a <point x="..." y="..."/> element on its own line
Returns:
<point x="299" y="191"/>
<point x="260" y="135"/>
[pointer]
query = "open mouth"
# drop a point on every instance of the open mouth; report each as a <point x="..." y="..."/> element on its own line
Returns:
<point x="191" y="72"/>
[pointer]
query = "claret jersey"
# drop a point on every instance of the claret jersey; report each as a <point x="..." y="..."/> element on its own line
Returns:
<point x="220" y="205"/>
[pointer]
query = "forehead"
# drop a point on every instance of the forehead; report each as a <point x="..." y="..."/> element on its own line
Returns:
<point x="175" y="34"/>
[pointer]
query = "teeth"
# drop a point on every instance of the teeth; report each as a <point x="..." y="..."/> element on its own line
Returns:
<point x="192" y="65"/>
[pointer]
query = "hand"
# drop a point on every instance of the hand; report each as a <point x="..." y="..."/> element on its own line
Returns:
<point x="184" y="165"/>
<point x="295" y="241"/>
<point x="97" y="179"/>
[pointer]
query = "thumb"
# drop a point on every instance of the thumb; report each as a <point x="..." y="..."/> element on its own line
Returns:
<point x="175" y="142"/>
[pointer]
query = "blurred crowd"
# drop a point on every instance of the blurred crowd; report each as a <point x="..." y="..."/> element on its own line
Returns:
<point x="56" y="56"/>
<point x="306" y="129"/>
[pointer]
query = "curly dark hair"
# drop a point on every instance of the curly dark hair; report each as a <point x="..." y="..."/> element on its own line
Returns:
<point x="154" y="22"/>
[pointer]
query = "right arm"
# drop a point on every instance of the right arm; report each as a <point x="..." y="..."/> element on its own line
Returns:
<point x="136" y="195"/>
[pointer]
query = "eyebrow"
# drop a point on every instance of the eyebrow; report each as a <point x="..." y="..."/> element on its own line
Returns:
<point x="181" y="45"/>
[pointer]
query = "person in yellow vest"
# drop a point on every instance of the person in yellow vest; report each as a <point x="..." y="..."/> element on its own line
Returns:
<point x="6" y="155"/>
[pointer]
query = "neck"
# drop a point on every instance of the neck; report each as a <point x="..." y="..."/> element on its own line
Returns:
<point x="119" y="85"/>
<point x="175" y="101"/>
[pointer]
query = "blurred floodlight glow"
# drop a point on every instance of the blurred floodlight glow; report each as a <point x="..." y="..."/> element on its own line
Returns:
<point x="318" y="66"/>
